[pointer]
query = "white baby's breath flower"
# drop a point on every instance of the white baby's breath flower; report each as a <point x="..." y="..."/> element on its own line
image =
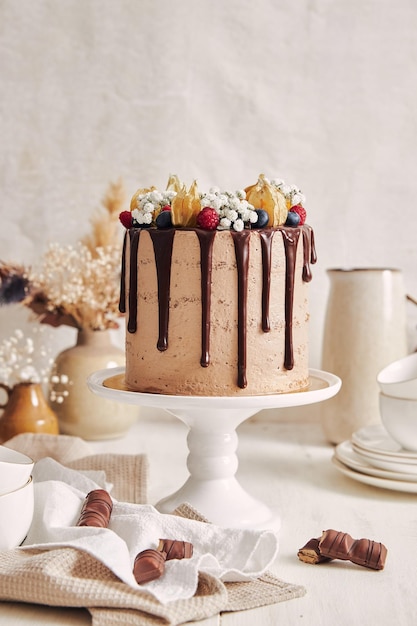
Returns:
<point x="148" y="207"/>
<point x="234" y="203"/>
<point x="29" y="374"/>
<point x="21" y="360"/>
<point x="233" y="208"/>
<point x="238" y="225"/>
<point x="231" y="214"/>
<point x="286" y="190"/>
<point x="224" y="224"/>
<point x="298" y="198"/>
<point x="155" y="197"/>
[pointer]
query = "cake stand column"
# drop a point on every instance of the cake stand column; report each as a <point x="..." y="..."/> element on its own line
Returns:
<point x="212" y="487"/>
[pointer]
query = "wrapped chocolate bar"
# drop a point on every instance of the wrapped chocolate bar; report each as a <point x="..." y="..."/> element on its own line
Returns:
<point x="96" y="509"/>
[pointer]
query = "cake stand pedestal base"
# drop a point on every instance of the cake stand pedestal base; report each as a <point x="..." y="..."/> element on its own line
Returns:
<point x="212" y="488"/>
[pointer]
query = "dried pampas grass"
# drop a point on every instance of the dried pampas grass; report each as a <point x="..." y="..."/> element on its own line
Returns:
<point x="105" y="222"/>
<point x="77" y="285"/>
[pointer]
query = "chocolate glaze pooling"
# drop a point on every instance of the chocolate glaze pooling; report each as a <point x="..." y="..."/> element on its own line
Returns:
<point x="163" y="244"/>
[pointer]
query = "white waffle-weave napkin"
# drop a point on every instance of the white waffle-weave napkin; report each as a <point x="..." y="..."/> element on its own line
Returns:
<point x="226" y="553"/>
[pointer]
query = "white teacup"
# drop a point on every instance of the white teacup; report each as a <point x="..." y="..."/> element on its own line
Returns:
<point x="16" y="514"/>
<point x="399" y="417"/>
<point x="399" y="379"/>
<point x="15" y="469"/>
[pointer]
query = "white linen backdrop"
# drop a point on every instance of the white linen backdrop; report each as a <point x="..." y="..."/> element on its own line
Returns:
<point x="321" y="93"/>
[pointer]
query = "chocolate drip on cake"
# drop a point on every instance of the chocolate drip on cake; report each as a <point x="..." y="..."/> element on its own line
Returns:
<point x="241" y="242"/>
<point x="309" y="252"/>
<point x="163" y="241"/>
<point x="122" y="299"/>
<point x="290" y="238"/>
<point x="133" y="280"/>
<point x="206" y="239"/>
<point x="266" y="247"/>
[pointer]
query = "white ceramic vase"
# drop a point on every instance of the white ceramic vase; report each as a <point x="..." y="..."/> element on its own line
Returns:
<point x="365" y="330"/>
<point x="80" y="412"/>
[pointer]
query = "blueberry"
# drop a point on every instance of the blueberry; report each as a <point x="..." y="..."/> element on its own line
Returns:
<point x="263" y="219"/>
<point x="164" y="220"/>
<point x="293" y="219"/>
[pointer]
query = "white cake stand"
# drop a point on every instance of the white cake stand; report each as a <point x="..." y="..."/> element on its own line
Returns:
<point x="212" y="487"/>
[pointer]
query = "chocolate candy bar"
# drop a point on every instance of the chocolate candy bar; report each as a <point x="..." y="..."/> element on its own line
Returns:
<point x="175" y="549"/>
<point x="96" y="509"/>
<point x="149" y="565"/>
<point x="365" y="552"/>
<point x="310" y="553"/>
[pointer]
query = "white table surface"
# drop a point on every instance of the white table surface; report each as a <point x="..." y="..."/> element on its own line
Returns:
<point x="286" y="464"/>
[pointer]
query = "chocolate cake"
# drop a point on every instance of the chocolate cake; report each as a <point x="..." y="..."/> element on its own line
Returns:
<point x="215" y="290"/>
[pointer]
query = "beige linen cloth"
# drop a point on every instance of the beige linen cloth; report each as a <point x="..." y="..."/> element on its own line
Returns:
<point x="67" y="577"/>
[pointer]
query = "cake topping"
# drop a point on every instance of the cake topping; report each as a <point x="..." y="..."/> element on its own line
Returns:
<point x="300" y="211"/>
<point x="263" y="219"/>
<point x="164" y="219"/>
<point x="126" y="219"/>
<point x="185" y="206"/>
<point x="293" y="219"/>
<point x="208" y="219"/>
<point x="239" y="210"/>
<point x="264" y="195"/>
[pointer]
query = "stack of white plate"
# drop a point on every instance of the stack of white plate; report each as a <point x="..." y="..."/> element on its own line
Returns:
<point x="372" y="457"/>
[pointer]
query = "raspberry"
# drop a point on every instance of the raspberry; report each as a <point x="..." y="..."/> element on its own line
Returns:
<point x="208" y="219"/>
<point x="301" y="212"/>
<point x="126" y="219"/>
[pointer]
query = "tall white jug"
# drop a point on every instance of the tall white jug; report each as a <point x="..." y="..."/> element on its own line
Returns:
<point x="365" y="330"/>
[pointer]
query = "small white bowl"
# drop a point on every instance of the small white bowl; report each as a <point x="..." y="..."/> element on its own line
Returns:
<point x="399" y="378"/>
<point x="16" y="514"/>
<point x="399" y="417"/>
<point x="15" y="469"/>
